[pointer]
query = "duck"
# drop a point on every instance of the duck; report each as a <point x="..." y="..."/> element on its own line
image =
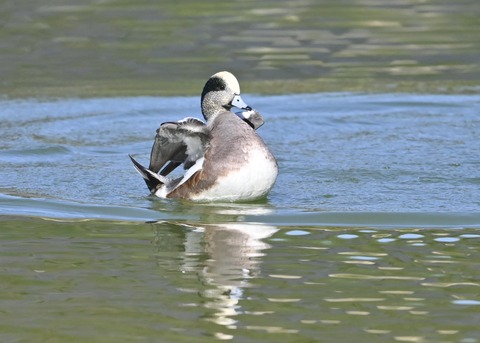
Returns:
<point x="224" y="158"/>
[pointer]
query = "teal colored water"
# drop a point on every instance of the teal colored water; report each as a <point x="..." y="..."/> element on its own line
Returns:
<point x="337" y="152"/>
<point x="371" y="230"/>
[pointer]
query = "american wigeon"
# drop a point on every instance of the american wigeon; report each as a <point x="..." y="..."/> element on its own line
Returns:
<point x="225" y="159"/>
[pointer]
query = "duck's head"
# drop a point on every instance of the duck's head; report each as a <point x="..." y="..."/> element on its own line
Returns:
<point x="221" y="92"/>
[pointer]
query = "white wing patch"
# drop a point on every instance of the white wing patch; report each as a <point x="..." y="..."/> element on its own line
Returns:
<point x="192" y="170"/>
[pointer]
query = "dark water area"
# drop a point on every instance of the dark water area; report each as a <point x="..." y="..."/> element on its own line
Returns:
<point x="369" y="235"/>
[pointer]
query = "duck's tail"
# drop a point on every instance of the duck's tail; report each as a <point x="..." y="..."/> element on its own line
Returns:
<point x="153" y="180"/>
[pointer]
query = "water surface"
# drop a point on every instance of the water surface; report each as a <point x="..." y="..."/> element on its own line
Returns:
<point x="246" y="282"/>
<point x="146" y="47"/>
<point x="369" y="235"/>
<point x="371" y="230"/>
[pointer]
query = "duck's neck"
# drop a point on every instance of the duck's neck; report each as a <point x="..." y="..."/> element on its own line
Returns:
<point x="211" y="109"/>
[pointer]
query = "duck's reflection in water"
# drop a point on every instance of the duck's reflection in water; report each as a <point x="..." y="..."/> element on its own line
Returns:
<point x="235" y="252"/>
<point x="225" y="257"/>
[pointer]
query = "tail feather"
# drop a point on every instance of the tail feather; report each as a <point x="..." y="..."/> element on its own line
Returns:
<point x="153" y="180"/>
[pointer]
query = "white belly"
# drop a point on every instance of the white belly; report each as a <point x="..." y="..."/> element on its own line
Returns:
<point x="253" y="180"/>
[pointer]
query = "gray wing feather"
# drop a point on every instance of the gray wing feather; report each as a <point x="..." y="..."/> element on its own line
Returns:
<point x="181" y="142"/>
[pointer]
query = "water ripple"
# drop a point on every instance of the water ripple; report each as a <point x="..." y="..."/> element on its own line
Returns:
<point x="375" y="277"/>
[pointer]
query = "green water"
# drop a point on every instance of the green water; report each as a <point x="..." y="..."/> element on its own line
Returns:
<point x="145" y="47"/>
<point x="172" y="282"/>
<point x="370" y="234"/>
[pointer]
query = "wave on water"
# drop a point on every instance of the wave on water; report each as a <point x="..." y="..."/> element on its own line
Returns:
<point x="208" y="214"/>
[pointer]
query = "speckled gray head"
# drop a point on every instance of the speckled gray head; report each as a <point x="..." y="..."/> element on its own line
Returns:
<point x="222" y="91"/>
